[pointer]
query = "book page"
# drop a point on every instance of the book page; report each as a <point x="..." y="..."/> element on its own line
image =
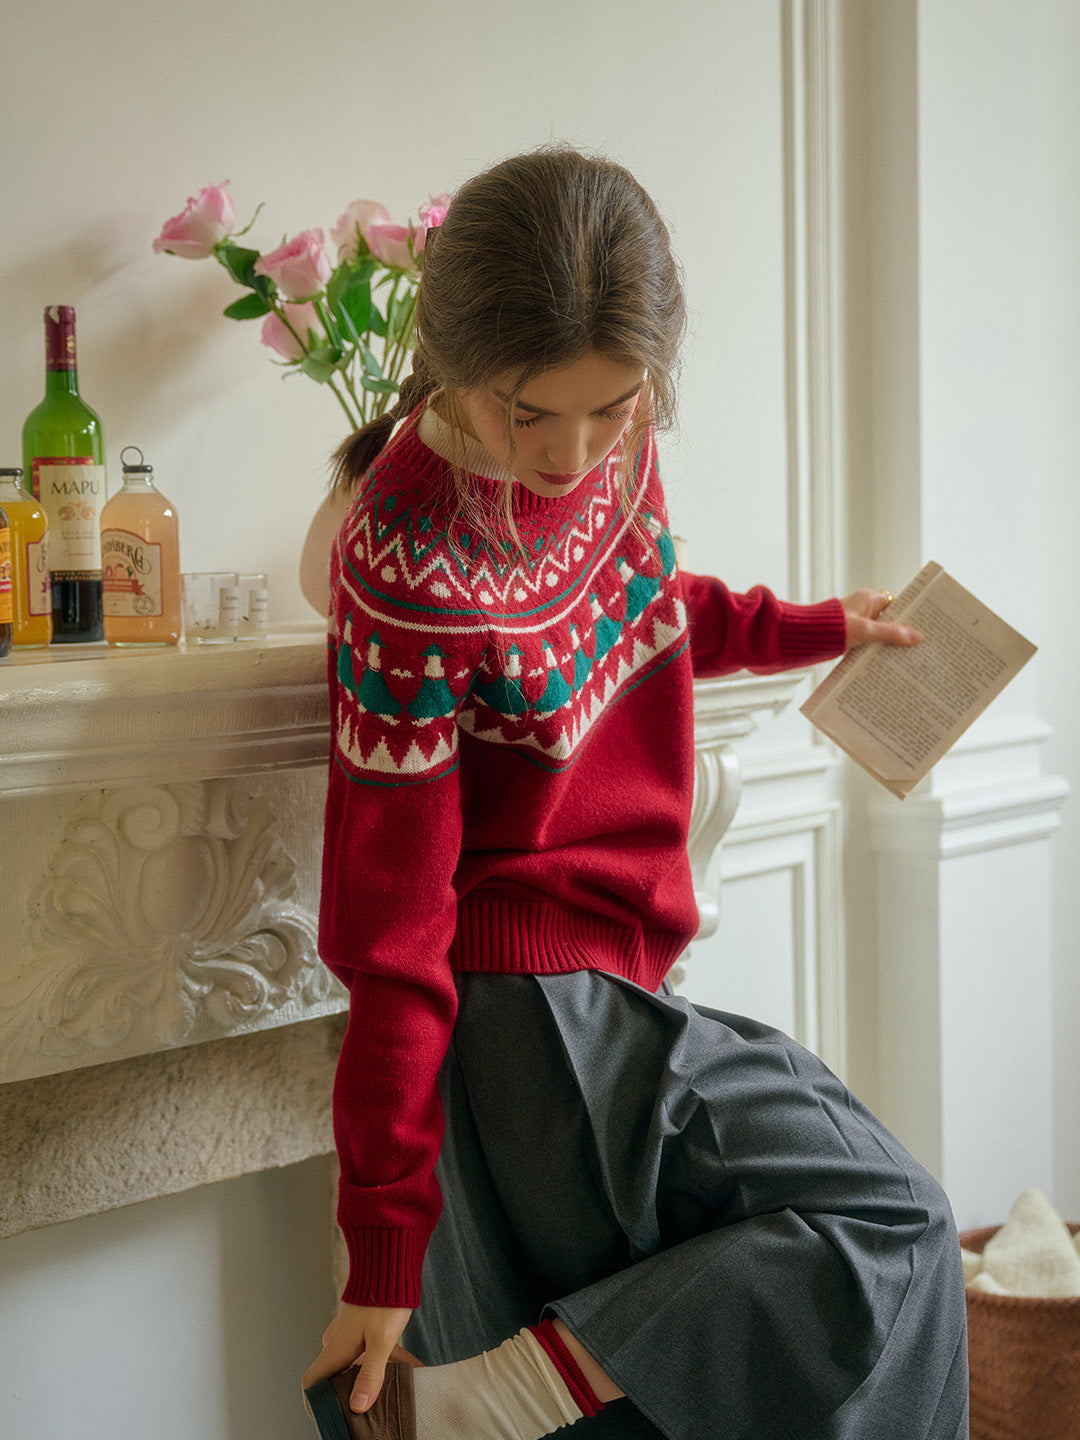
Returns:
<point x="898" y="709"/>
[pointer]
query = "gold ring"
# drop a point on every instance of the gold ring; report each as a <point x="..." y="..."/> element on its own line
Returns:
<point x="889" y="596"/>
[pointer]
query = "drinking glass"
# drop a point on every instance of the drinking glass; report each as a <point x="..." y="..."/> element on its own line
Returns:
<point x="253" y="610"/>
<point x="211" y="607"/>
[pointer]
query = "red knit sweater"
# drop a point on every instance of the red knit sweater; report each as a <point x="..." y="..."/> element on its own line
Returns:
<point x="510" y="786"/>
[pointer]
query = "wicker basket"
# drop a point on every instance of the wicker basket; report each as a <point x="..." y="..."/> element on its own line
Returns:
<point x="1024" y="1356"/>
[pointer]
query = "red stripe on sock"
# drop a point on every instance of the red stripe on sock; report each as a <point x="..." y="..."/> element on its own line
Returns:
<point x="581" y="1392"/>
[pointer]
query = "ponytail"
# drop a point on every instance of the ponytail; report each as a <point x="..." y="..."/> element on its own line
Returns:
<point x="354" y="457"/>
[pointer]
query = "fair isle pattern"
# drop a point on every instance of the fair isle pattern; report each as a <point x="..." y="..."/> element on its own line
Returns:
<point x="403" y="561"/>
<point x="526" y="651"/>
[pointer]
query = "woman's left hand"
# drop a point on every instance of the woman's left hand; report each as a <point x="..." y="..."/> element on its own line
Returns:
<point x="863" y="626"/>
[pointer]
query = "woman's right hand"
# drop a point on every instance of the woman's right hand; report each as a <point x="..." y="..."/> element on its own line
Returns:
<point x="364" y="1334"/>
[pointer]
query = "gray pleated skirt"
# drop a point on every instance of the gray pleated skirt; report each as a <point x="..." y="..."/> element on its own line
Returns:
<point x="739" y="1242"/>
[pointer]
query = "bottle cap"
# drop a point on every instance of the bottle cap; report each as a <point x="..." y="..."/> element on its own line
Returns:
<point x="12" y="470"/>
<point x="130" y="467"/>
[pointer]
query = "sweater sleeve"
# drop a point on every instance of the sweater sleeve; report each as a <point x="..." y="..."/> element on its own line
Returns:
<point x="388" y="910"/>
<point x="756" y="631"/>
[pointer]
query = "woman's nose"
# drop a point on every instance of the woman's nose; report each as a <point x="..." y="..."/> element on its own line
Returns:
<point x="568" y="450"/>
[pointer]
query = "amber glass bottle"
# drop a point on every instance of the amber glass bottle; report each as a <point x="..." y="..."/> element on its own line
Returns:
<point x="31" y="592"/>
<point x="5" y="586"/>
<point x="140" y="556"/>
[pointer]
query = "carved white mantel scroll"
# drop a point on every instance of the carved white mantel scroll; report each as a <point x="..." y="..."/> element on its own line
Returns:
<point x="162" y="817"/>
<point x="167" y="915"/>
<point x="161" y="814"/>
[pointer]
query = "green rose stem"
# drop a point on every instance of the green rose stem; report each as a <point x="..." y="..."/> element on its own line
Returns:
<point x="357" y="401"/>
<point x="355" y="422"/>
<point x="376" y="403"/>
<point x="402" y="344"/>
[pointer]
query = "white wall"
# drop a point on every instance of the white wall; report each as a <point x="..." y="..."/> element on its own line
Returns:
<point x="193" y="1315"/>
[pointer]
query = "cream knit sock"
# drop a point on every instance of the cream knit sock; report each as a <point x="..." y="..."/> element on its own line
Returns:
<point x="513" y="1392"/>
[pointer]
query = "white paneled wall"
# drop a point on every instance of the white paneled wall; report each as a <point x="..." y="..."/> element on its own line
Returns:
<point x="908" y="438"/>
<point x="779" y="884"/>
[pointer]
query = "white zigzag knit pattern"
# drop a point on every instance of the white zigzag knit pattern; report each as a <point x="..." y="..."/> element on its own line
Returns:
<point x="439" y="632"/>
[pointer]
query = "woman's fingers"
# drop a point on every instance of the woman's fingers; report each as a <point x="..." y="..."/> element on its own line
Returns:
<point x="372" y="1373"/>
<point x="887" y="632"/>
<point x="333" y="1358"/>
<point x="359" y="1335"/>
<point x="868" y="603"/>
<point x="864" y="628"/>
<point x="370" y="1379"/>
<point x="861" y="631"/>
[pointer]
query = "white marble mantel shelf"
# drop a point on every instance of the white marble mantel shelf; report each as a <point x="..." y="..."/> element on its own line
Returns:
<point x="77" y="716"/>
<point x="162" y="813"/>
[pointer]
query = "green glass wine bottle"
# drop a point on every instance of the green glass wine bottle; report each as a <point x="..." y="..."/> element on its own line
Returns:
<point x="64" y="461"/>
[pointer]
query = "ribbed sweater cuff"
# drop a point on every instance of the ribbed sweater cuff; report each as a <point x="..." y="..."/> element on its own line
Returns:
<point x="813" y="632"/>
<point x="384" y="1265"/>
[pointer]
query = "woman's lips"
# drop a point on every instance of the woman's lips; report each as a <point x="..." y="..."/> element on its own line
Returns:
<point x="557" y="479"/>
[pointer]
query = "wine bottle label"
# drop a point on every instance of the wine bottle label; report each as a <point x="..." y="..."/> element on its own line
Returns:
<point x="72" y="490"/>
<point x="38" y="579"/>
<point x="131" y="568"/>
<point x="5" y="576"/>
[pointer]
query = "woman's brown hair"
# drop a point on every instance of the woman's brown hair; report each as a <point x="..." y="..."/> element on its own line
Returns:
<point x="541" y="259"/>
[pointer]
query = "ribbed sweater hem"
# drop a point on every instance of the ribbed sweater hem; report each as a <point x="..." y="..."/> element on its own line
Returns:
<point x="511" y="936"/>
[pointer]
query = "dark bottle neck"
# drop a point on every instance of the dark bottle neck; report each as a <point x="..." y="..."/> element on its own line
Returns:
<point x="61" y="373"/>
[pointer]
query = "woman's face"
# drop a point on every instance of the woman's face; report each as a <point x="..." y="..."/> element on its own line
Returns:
<point x="566" y="421"/>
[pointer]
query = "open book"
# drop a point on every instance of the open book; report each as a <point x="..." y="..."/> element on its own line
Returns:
<point x="898" y="709"/>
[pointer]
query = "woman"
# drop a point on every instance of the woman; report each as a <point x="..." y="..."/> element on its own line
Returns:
<point x="655" y="1220"/>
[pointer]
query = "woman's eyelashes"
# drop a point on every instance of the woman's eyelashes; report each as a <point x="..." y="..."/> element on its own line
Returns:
<point x="526" y="422"/>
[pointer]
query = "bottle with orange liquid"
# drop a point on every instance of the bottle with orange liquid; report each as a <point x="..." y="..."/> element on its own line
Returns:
<point x="31" y="588"/>
<point x="140" y="558"/>
<point x="5" y="586"/>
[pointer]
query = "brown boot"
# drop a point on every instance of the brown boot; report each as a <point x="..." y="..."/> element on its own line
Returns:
<point x="392" y="1417"/>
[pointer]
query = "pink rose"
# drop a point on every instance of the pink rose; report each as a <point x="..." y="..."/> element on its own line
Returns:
<point x="434" y="212"/>
<point x="353" y="222"/>
<point x="299" y="268"/>
<point x="390" y="243"/>
<point x="431" y="217"/>
<point x="207" y="219"/>
<point x="278" y="335"/>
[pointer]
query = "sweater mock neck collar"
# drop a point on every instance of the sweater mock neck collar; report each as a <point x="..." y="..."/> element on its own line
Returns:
<point x="457" y="448"/>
